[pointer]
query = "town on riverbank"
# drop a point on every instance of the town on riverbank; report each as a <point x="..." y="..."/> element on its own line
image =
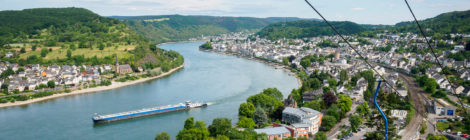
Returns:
<point x="31" y="83"/>
<point x="326" y="66"/>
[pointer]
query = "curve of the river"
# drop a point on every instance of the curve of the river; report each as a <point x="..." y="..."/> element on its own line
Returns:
<point x="223" y="80"/>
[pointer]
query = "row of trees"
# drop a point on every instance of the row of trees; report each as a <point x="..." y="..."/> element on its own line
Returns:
<point x="309" y="59"/>
<point x="220" y="129"/>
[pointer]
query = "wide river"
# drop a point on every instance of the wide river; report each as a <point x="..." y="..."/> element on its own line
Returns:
<point x="226" y="81"/>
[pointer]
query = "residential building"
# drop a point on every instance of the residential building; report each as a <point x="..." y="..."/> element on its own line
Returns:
<point x="275" y="133"/>
<point x="308" y="116"/>
<point x="299" y="130"/>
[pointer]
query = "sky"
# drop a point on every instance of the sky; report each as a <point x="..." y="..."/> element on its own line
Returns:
<point x="359" y="11"/>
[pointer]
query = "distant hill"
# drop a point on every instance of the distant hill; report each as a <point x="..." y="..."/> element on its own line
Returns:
<point x="307" y="28"/>
<point x="168" y="28"/>
<point x="452" y="22"/>
<point x="70" y="36"/>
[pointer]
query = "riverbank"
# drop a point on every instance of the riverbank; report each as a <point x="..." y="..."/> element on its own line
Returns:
<point x="273" y="64"/>
<point x="114" y="85"/>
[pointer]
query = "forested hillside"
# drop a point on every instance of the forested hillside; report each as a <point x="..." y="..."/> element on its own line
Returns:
<point x="72" y="36"/>
<point x="452" y="22"/>
<point x="168" y="28"/>
<point x="307" y="28"/>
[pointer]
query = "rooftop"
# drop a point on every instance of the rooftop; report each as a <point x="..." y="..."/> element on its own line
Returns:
<point x="273" y="130"/>
<point x="301" y="112"/>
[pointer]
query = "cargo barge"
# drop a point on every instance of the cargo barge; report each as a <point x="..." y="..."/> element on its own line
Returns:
<point x="146" y="112"/>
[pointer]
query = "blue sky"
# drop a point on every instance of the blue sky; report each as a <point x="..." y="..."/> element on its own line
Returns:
<point x="359" y="11"/>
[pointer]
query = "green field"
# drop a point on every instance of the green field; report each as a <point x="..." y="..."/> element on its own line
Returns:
<point x="122" y="50"/>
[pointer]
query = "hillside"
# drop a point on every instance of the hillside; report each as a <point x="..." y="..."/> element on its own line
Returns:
<point x="452" y="22"/>
<point x="168" y="28"/>
<point x="71" y="36"/>
<point x="307" y="28"/>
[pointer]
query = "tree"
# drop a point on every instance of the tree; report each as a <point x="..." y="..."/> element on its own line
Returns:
<point x="467" y="46"/>
<point x="72" y="46"/>
<point x="376" y="135"/>
<point x="266" y="102"/>
<point x="260" y="117"/>
<point x="344" y="103"/>
<point x="23" y="50"/>
<point x="332" y="82"/>
<point x="163" y="136"/>
<point x="315" y="83"/>
<point x="220" y="126"/>
<point x="101" y="46"/>
<point x="193" y="131"/>
<point x="44" y="52"/>
<point x="329" y="98"/>
<point x="69" y="53"/>
<point x="355" y="121"/>
<point x="305" y="62"/>
<point x="315" y="104"/>
<point x="200" y="124"/>
<point x="274" y="92"/>
<point x="220" y="137"/>
<point x="367" y="94"/>
<point x="328" y="122"/>
<point x="7" y="73"/>
<point x="206" y="46"/>
<point x="51" y="84"/>
<point x="430" y="85"/>
<point x="245" y="122"/>
<point x="320" y="136"/>
<point x="291" y="58"/>
<point x="343" y="76"/>
<point x="189" y="123"/>
<point x="334" y="111"/>
<point x="436" y="137"/>
<point x="285" y="61"/>
<point x="296" y="95"/>
<point x="34" y="47"/>
<point x="363" y="109"/>
<point x="41" y="86"/>
<point x="439" y="94"/>
<point x="246" y="110"/>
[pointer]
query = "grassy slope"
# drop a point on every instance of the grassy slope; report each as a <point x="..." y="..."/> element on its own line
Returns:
<point x="62" y="29"/>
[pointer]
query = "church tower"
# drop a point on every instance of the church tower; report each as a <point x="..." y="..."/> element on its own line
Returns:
<point x="117" y="64"/>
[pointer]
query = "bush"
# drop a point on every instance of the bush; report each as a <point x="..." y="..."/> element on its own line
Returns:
<point x="42" y="94"/>
<point x="21" y="97"/>
<point x="3" y="100"/>
<point x="105" y="83"/>
<point x="127" y="78"/>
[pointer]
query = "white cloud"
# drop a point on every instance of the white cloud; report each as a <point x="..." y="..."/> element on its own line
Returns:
<point x="357" y="9"/>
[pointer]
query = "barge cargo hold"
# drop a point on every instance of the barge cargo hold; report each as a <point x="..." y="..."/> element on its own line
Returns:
<point x="145" y="112"/>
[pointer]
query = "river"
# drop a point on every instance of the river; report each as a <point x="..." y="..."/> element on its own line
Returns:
<point x="226" y="81"/>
